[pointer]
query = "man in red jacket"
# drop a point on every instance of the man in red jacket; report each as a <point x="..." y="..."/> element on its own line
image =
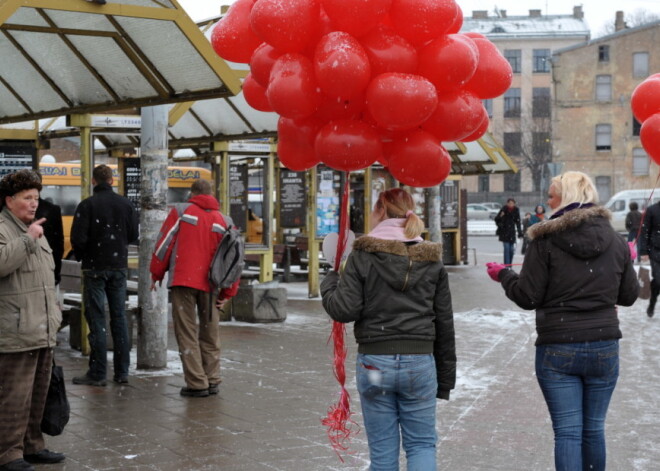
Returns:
<point x="186" y="244"/>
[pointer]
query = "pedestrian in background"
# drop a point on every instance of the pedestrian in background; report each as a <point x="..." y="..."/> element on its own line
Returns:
<point x="395" y="289"/>
<point x="508" y="225"/>
<point x="53" y="231"/>
<point x="525" y="225"/>
<point x="649" y="249"/>
<point x="538" y="216"/>
<point x="29" y="320"/>
<point x="186" y="245"/>
<point x="103" y="226"/>
<point x="633" y="222"/>
<point x="576" y="271"/>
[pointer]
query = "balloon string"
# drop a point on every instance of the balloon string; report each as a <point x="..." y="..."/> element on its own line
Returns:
<point x="338" y="421"/>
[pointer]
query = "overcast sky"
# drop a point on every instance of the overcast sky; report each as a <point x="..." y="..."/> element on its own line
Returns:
<point x="597" y="12"/>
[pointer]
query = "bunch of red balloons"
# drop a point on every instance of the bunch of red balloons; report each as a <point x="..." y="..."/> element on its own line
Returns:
<point x="360" y="81"/>
<point x="645" y="104"/>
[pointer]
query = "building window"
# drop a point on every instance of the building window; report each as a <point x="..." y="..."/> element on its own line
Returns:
<point x="488" y="104"/>
<point x="541" y="102"/>
<point x="512" y="103"/>
<point x="640" y="162"/>
<point x="512" y="182"/>
<point x="640" y="64"/>
<point x="603" y="88"/>
<point x="603" y="187"/>
<point x="603" y="137"/>
<point x="512" y="143"/>
<point x="637" y="126"/>
<point x="514" y="57"/>
<point x="541" y="144"/>
<point x="484" y="183"/>
<point x="603" y="53"/>
<point x="541" y="60"/>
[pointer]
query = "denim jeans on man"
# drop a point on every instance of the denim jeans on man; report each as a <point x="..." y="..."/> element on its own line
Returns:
<point x="398" y="396"/>
<point x="509" y="250"/>
<point x="100" y="284"/>
<point x="577" y="380"/>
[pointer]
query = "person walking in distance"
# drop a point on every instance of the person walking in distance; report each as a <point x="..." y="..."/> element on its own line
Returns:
<point x="186" y="245"/>
<point x="508" y="224"/>
<point x="633" y="221"/>
<point x="103" y="226"/>
<point x="649" y="249"/>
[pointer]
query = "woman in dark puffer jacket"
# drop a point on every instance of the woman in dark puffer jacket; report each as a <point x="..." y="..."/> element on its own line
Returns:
<point x="395" y="289"/>
<point x="576" y="270"/>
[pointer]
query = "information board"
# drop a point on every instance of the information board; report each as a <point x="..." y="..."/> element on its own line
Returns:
<point x="132" y="178"/>
<point x="16" y="155"/>
<point x="293" y="205"/>
<point x="238" y="195"/>
<point x="449" y="204"/>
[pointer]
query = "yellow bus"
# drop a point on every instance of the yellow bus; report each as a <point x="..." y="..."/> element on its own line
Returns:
<point x="61" y="185"/>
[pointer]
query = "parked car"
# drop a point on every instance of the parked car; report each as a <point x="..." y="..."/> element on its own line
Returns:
<point x="479" y="211"/>
<point x="491" y="205"/>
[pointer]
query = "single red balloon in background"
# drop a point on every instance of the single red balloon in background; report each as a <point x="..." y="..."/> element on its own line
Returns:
<point x="287" y="25"/>
<point x="292" y="90"/>
<point x="356" y="17"/>
<point x="420" y="21"/>
<point x="261" y="63"/>
<point x="232" y="38"/>
<point x="401" y="101"/>
<point x="389" y="52"/>
<point x="493" y="76"/>
<point x="456" y="26"/>
<point x="449" y="61"/>
<point x="341" y="65"/>
<point x="419" y="160"/>
<point x="348" y="145"/>
<point x="650" y="136"/>
<point x="295" y="145"/>
<point x="645" y="100"/>
<point x="457" y="116"/>
<point x="479" y="132"/>
<point x="255" y="94"/>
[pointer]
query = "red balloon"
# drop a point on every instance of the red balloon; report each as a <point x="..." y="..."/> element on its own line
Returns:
<point x="255" y="94"/>
<point x="295" y="145"/>
<point x="341" y="65"/>
<point x="420" y="21"/>
<point x="348" y="145"/>
<point x="457" y="116"/>
<point x="401" y="101"/>
<point x="474" y="35"/>
<point x="292" y="90"/>
<point x="650" y="137"/>
<point x="479" y="132"/>
<point x="287" y="25"/>
<point x="418" y="160"/>
<point x="356" y="17"/>
<point x="332" y="109"/>
<point x="458" y="21"/>
<point x="261" y="63"/>
<point x="449" y="61"/>
<point x="493" y="76"/>
<point x="645" y="100"/>
<point x="233" y="38"/>
<point x="389" y="52"/>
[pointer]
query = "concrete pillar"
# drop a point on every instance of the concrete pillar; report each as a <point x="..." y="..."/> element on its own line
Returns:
<point x="152" y="330"/>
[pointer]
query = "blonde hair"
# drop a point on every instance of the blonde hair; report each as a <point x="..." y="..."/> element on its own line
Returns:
<point x="399" y="204"/>
<point x="574" y="187"/>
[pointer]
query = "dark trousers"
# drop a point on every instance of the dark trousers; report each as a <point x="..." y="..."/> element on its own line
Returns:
<point x="24" y="381"/>
<point x="100" y="284"/>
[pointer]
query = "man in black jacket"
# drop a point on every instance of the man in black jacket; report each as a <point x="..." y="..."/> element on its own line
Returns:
<point x="649" y="248"/>
<point x="103" y="227"/>
<point x="53" y="230"/>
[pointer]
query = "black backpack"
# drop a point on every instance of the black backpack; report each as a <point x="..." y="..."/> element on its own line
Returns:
<point x="227" y="264"/>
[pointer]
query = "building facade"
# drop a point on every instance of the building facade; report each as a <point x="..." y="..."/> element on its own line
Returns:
<point x="521" y="118"/>
<point x="593" y="126"/>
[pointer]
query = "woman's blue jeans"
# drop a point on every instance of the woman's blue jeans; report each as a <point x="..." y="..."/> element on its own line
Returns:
<point x="577" y="380"/>
<point x="509" y="250"/>
<point x="398" y="396"/>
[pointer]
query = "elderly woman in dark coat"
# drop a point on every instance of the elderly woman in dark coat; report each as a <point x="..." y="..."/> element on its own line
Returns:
<point x="29" y="320"/>
<point x="576" y="271"/>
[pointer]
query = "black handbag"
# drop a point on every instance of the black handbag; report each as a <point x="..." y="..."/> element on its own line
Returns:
<point x="57" y="409"/>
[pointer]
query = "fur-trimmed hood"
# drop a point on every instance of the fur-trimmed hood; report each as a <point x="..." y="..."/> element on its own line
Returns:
<point x="400" y="264"/>
<point x="584" y="233"/>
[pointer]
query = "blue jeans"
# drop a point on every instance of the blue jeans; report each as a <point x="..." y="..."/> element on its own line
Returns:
<point x="397" y="393"/>
<point x="100" y="284"/>
<point x="509" y="250"/>
<point x="577" y="380"/>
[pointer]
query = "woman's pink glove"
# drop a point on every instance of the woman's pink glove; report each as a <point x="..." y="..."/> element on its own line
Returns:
<point x="633" y="250"/>
<point x="494" y="270"/>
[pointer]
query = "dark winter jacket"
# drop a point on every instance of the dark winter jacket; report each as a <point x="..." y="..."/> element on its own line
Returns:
<point x="103" y="226"/>
<point x="576" y="270"/>
<point x="649" y="240"/>
<point x="508" y="222"/>
<point x="398" y="296"/>
<point x="53" y="232"/>
<point x="633" y="220"/>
